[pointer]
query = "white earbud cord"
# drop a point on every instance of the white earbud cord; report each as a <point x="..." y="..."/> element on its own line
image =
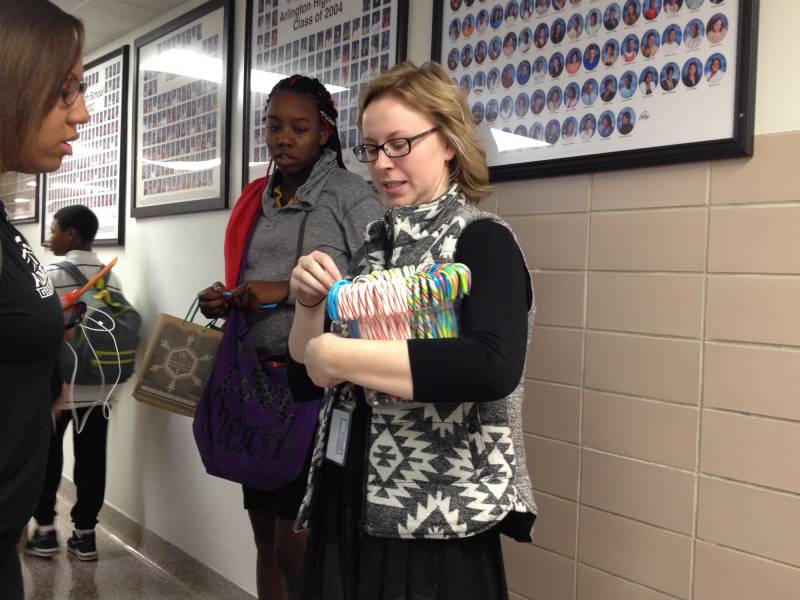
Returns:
<point x="79" y="424"/>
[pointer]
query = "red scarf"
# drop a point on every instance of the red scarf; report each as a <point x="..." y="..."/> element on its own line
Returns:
<point x="240" y="226"/>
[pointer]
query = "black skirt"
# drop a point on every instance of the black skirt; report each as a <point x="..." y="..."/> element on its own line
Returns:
<point x="344" y="563"/>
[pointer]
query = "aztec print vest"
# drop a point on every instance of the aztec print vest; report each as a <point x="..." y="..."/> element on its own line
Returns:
<point x="488" y="482"/>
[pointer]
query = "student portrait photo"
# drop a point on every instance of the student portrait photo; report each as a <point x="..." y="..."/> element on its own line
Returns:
<point x="591" y="57"/>
<point x="537" y="102"/>
<point x="570" y="129"/>
<point x="539" y="68"/>
<point x="552" y="132"/>
<point x="558" y="4"/>
<point x="541" y="35"/>
<point x="593" y="21"/>
<point x="554" y="98"/>
<point x="693" y="34"/>
<point x="524" y="40"/>
<point x="627" y="84"/>
<point x="506" y="107"/>
<point x="630" y="48"/>
<point x="523" y="72"/>
<point x="589" y="92"/>
<point x="575" y="27"/>
<point x="495" y="47"/>
<point x="481" y="50"/>
<point x="512" y="12"/>
<point x="496" y="17"/>
<point x="648" y="81"/>
<point x="556" y="65"/>
<point x="536" y="132"/>
<point x="717" y="28"/>
<point x="491" y="80"/>
<point x="541" y="6"/>
<point x="715" y="68"/>
<point x="631" y="12"/>
<point x="610" y="52"/>
<point x="510" y="44"/>
<point x="557" y="31"/>
<point x="466" y="56"/>
<point x="478" y="82"/>
<point x="454" y="5"/>
<point x="526" y="9"/>
<point x="671" y="39"/>
<point x="482" y="21"/>
<point x="672" y="7"/>
<point x="692" y="72"/>
<point x="465" y="85"/>
<point x="588" y="126"/>
<point x="521" y="105"/>
<point x="626" y="121"/>
<point x="694" y="4"/>
<point x="669" y="76"/>
<point x="492" y="110"/>
<point x="574" y="61"/>
<point x="508" y="76"/>
<point x="521" y="131"/>
<point x="453" y="59"/>
<point x="468" y="26"/>
<point x="651" y="9"/>
<point x="605" y="125"/>
<point x="651" y="41"/>
<point x="477" y="113"/>
<point x="611" y="16"/>
<point x="571" y="95"/>
<point x="608" y="88"/>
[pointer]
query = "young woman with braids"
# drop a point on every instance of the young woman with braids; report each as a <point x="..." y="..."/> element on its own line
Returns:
<point x="309" y="202"/>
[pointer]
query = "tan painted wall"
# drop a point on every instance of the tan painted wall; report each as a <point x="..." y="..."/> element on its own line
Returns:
<point x="662" y="416"/>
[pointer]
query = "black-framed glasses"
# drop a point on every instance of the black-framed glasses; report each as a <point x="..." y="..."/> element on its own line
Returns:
<point x="72" y="89"/>
<point x="392" y="148"/>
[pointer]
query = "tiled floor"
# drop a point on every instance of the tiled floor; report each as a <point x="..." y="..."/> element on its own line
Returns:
<point x="122" y="572"/>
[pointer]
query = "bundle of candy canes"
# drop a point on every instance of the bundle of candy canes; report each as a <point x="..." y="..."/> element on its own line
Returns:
<point x="402" y="303"/>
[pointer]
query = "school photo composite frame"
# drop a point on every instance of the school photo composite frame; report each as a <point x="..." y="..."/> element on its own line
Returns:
<point x="20" y="194"/>
<point x="343" y="43"/>
<point x="181" y="109"/>
<point x="567" y="86"/>
<point x="95" y="174"/>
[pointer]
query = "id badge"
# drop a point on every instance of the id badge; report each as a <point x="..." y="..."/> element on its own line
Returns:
<point x="339" y="435"/>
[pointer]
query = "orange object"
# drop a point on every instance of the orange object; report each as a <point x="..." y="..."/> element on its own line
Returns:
<point x="71" y="298"/>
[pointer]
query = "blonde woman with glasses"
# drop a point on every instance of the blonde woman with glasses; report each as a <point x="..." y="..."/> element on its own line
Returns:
<point x="429" y="482"/>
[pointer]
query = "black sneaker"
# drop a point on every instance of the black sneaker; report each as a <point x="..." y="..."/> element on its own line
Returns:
<point x="41" y="544"/>
<point x="83" y="547"/>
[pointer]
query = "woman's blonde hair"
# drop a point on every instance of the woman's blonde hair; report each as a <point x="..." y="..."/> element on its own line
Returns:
<point x="39" y="44"/>
<point x="429" y="90"/>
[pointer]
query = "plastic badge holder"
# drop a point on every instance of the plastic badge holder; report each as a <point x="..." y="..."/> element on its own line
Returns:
<point x="432" y="322"/>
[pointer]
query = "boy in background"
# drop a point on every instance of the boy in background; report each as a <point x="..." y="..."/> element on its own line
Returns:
<point x="71" y="236"/>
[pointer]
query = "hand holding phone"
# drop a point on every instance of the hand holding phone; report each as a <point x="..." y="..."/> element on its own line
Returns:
<point x="73" y="314"/>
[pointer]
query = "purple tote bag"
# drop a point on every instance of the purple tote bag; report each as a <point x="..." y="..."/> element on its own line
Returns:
<point x="247" y="427"/>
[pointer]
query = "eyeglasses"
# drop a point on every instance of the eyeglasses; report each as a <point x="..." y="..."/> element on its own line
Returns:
<point x="71" y="89"/>
<point x="392" y="148"/>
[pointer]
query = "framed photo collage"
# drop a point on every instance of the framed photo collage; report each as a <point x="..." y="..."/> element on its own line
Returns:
<point x="574" y="85"/>
<point x="553" y="87"/>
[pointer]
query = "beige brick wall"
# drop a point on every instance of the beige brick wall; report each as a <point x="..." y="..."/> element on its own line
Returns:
<point x="662" y="411"/>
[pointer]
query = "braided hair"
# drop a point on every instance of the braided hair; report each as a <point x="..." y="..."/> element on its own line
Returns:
<point x="315" y="91"/>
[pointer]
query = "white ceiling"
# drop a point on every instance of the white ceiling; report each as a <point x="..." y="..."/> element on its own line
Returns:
<point x="106" y="20"/>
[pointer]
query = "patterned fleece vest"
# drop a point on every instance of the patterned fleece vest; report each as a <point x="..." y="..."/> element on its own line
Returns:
<point x="436" y="470"/>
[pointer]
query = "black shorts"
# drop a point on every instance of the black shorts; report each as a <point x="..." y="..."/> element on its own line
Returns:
<point x="283" y="503"/>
